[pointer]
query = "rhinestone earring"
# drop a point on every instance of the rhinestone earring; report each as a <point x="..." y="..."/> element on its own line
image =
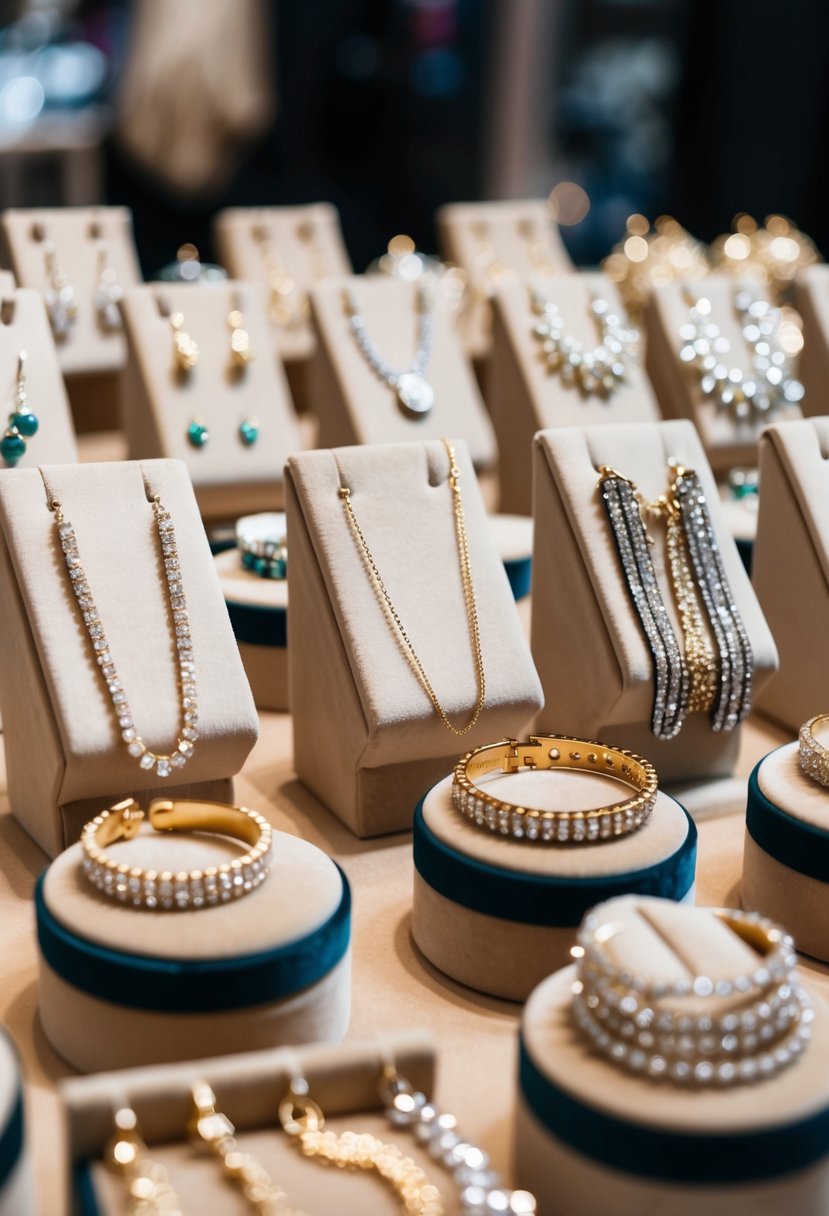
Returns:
<point x="108" y="291"/>
<point x="61" y="304"/>
<point x="22" y="424"/>
<point x="241" y="352"/>
<point x="185" y="348"/>
<point x="198" y="433"/>
<point x="249" y="431"/>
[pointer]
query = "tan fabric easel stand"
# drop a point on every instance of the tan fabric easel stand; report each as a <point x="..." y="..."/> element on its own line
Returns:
<point x="772" y="887"/>
<point x="791" y="565"/>
<point x="726" y="442"/>
<point x="230" y="478"/>
<point x="811" y="299"/>
<point x="17" y="1196"/>
<point x="266" y="664"/>
<point x="592" y="656"/>
<point x="367" y="740"/>
<point x="91" y="358"/>
<point x="64" y="757"/>
<point x="524" y="397"/>
<point x="494" y="242"/>
<point x="249" y="1088"/>
<point x="94" y="1032"/>
<point x="354" y="406"/>
<point x="508" y="958"/>
<point x="568" y="1182"/>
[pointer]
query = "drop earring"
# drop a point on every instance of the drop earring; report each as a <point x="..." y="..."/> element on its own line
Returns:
<point x="185" y="348"/>
<point x="61" y="305"/>
<point x="108" y="291"/>
<point x="249" y="431"/>
<point x="241" y="352"/>
<point x="22" y="424"/>
<point x="198" y="433"/>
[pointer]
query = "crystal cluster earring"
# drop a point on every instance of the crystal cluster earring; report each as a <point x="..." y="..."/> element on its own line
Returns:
<point x="185" y="348"/>
<point x="22" y="424"/>
<point x="61" y="304"/>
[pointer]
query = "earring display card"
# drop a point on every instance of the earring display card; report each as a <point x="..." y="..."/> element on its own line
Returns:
<point x="495" y="243"/>
<point x="525" y="394"/>
<point x="350" y="680"/>
<point x="356" y="406"/>
<point x="811" y="298"/>
<point x="230" y="422"/>
<point x="728" y="440"/>
<point x="791" y="565"/>
<point x="64" y="753"/>
<point x="24" y="331"/>
<point x="605" y="689"/>
<point x="77" y="258"/>
<point x="288" y="249"/>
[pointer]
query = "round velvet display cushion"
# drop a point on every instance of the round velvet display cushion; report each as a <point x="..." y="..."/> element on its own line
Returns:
<point x="513" y="536"/>
<point x="499" y="914"/>
<point x="592" y="1136"/>
<point x="122" y="986"/>
<point x="16" y="1190"/>
<point x="258" y="610"/>
<point x="786" y="851"/>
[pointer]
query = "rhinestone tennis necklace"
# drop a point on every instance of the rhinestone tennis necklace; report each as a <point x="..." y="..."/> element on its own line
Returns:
<point x="415" y="395"/>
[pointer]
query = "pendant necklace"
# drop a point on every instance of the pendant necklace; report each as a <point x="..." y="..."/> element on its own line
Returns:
<point x="415" y="395"/>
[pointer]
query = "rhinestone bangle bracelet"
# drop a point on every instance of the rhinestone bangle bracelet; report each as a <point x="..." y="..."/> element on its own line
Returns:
<point x="554" y="752"/>
<point x="814" y="756"/>
<point x="167" y="889"/>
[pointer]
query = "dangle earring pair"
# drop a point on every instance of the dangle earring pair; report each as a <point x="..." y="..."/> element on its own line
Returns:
<point x="61" y="298"/>
<point x="186" y="353"/>
<point x="22" y="423"/>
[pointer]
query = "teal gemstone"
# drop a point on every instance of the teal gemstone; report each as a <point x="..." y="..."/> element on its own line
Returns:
<point x="198" y="434"/>
<point x="248" y="432"/>
<point x="12" y="447"/>
<point x="26" y="424"/>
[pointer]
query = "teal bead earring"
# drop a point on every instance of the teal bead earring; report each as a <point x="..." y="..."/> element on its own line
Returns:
<point x="249" y="431"/>
<point x="198" y="433"/>
<point x="22" y="424"/>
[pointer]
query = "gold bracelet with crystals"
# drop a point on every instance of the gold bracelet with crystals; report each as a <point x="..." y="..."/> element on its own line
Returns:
<point x="554" y="752"/>
<point x="814" y="756"/>
<point x="167" y="889"/>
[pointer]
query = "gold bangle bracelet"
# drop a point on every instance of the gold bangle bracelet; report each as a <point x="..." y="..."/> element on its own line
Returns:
<point x="167" y="889"/>
<point x="814" y="756"/>
<point x="554" y="752"/>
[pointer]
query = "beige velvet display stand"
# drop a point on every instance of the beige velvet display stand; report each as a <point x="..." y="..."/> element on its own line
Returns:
<point x="93" y="1031"/>
<point x="524" y="397"/>
<point x="569" y="1181"/>
<point x="727" y="442"/>
<point x="64" y="755"/>
<point x="367" y="739"/>
<point x="791" y="565"/>
<point x="811" y="298"/>
<point x="355" y="406"/>
<point x="17" y="1196"/>
<point x="508" y="958"/>
<point x="91" y="358"/>
<point x="494" y="242"/>
<point x="248" y="1089"/>
<point x="592" y="656"/>
<point x="24" y="327"/>
<point x="229" y="476"/>
<point x="258" y="610"/>
<point x="799" y="807"/>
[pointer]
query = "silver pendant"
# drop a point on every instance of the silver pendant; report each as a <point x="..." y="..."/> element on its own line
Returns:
<point x="415" y="395"/>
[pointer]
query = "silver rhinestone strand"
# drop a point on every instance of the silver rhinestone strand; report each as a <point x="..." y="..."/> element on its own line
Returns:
<point x="425" y="332"/>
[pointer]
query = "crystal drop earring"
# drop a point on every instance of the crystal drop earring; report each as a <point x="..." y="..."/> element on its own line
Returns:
<point x="22" y="423"/>
<point x="108" y="291"/>
<point x="185" y="348"/>
<point x="61" y="304"/>
<point x="241" y="351"/>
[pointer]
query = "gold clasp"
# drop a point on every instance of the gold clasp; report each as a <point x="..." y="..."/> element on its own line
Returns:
<point x="123" y="822"/>
<point x="517" y="755"/>
<point x="297" y="1112"/>
<point x="606" y="472"/>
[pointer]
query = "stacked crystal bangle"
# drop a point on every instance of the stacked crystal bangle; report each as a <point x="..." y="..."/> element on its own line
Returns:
<point x="163" y="764"/>
<point x="655" y="1028"/>
<point x="814" y="757"/>
<point x="415" y="395"/>
<point x="261" y="542"/>
<point x="167" y="889"/>
<point x="481" y="1190"/>
<point x="754" y="395"/>
<point x="600" y="371"/>
<point x="554" y="827"/>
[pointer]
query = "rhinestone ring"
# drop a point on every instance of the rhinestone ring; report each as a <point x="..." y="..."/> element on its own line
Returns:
<point x="554" y="752"/>
<point x="814" y="757"/>
<point x="166" y="889"/>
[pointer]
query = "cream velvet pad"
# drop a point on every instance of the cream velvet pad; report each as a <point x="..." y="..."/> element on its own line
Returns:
<point x="562" y="1174"/>
<point x="776" y="846"/>
<point x="303" y="891"/>
<point x="508" y="957"/>
<point x="258" y="610"/>
<point x="16" y="1197"/>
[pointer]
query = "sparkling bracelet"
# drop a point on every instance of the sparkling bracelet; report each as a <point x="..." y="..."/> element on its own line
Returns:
<point x="261" y="541"/>
<point x="814" y="757"/>
<point x="554" y="752"/>
<point x="654" y="1027"/>
<point x="167" y="889"/>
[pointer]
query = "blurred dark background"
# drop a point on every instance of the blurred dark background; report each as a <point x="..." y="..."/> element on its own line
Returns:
<point x="389" y="108"/>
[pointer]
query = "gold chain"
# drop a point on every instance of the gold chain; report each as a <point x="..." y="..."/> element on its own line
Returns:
<point x="468" y="593"/>
<point x="149" y="1191"/>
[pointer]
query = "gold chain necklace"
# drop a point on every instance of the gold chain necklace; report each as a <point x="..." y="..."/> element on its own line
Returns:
<point x="468" y="594"/>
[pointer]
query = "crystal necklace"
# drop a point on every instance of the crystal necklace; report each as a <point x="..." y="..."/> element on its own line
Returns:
<point x="603" y="369"/>
<point x="163" y="764"/>
<point x="750" y="396"/>
<point x="415" y="395"/>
